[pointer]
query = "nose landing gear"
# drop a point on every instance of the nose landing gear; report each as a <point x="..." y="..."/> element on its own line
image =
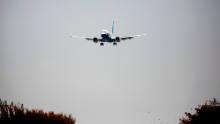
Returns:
<point x="101" y="44"/>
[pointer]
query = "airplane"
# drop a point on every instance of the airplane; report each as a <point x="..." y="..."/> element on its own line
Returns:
<point x="108" y="37"/>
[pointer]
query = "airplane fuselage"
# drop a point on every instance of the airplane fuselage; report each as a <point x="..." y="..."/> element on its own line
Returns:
<point x="106" y="37"/>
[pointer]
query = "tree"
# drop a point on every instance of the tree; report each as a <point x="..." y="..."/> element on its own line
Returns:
<point x="16" y="114"/>
<point x="209" y="113"/>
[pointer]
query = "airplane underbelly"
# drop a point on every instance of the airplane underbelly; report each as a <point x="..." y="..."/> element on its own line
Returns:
<point x="107" y="40"/>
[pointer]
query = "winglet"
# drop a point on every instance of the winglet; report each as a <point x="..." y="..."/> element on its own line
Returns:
<point x="113" y="27"/>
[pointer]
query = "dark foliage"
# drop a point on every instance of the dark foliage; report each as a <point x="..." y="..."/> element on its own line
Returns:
<point x="209" y="113"/>
<point x="17" y="114"/>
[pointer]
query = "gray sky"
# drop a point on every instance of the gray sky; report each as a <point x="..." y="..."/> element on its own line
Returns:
<point x="162" y="75"/>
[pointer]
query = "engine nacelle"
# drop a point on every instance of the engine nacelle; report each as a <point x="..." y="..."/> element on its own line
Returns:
<point x="95" y="39"/>
<point x="117" y="39"/>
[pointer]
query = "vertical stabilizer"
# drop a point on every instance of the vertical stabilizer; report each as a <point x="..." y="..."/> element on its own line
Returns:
<point x="113" y="27"/>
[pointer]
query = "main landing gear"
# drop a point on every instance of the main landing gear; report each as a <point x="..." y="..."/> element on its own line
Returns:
<point x="102" y="44"/>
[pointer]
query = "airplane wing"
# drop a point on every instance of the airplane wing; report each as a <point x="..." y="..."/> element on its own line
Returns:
<point x="86" y="38"/>
<point x="130" y="37"/>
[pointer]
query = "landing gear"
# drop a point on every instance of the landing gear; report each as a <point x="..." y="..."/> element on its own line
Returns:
<point x="114" y="43"/>
<point x="101" y="44"/>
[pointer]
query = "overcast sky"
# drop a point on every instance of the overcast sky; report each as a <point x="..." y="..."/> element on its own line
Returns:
<point x="151" y="79"/>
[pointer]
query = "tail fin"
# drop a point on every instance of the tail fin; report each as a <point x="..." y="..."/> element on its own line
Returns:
<point x="113" y="27"/>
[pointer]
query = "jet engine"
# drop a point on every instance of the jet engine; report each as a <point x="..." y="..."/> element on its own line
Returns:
<point x="117" y="39"/>
<point x="95" y="39"/>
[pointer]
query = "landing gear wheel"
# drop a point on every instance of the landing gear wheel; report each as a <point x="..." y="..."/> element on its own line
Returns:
<point x="114" y="43"/>
<point x="101" y="44"/>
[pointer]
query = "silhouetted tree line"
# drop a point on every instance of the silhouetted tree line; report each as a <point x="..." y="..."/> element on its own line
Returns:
<point x="17" y="114"/>
<point x="209" y="113"/>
